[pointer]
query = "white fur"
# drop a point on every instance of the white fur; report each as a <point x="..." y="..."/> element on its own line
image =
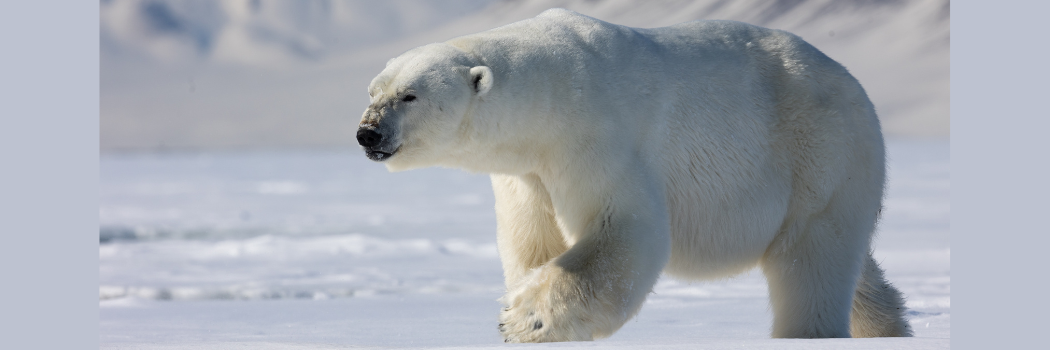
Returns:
<point x="701" y="149"/>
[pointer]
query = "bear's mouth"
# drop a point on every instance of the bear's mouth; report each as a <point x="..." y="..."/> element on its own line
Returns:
<point x="379" y="156"/>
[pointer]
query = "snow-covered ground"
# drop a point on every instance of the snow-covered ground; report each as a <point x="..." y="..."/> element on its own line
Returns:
<point x="328" y="250"/>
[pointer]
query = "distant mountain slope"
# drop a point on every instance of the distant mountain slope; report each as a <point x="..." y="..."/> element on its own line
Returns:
<point x="251" y="74"/>
<point x="263" y="33"/>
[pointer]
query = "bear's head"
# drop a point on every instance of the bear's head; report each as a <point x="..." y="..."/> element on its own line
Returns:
<point x="419" y="106"/>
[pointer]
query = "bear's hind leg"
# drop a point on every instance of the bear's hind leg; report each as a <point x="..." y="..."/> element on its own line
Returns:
<point x="878" y="308"/>
<point x="812" y="281"/>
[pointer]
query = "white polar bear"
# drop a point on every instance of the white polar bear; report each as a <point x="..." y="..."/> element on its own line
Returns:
<point x="700" y="149"/>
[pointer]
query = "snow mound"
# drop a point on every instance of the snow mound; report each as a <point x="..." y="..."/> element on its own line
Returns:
<point x="272" y="267"/>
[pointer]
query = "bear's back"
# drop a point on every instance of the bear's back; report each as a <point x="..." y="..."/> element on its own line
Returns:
<point x="571" y="43"/>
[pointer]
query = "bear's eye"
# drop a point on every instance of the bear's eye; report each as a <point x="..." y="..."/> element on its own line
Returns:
<point x="409" y="98"/>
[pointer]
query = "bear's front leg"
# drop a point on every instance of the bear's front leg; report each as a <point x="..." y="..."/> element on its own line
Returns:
<point x="592" y="289"/>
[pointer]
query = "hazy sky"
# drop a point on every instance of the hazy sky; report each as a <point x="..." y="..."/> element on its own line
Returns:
<point x="276" y="74"/>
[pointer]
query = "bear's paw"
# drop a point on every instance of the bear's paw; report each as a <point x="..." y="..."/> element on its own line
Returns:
<point x="546" y="307"/>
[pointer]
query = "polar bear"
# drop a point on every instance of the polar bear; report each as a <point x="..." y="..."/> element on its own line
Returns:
<point x="700" y="150"/>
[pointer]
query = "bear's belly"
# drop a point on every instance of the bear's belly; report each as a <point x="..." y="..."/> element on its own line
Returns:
<point x="722" y="221"/>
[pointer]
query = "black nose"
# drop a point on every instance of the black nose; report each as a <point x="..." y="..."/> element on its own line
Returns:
<point x="368" y="138"/>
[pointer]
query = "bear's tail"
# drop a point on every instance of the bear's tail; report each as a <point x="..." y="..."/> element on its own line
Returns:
<point x="878" y="307"/>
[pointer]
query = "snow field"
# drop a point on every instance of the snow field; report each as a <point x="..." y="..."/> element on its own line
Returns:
<point x="335" y="252"/>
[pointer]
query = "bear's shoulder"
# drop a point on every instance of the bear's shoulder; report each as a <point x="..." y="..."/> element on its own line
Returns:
<point x="553" y="27"/>
<point x="560" y="13"/>
<point x="571" y="19"/>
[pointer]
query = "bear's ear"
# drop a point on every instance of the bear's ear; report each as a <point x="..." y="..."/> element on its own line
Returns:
<point x="481" y="79"/>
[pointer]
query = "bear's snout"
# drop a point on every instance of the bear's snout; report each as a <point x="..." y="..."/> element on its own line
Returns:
<point x="373" y="143"/>
<point x="368" y="138"/>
